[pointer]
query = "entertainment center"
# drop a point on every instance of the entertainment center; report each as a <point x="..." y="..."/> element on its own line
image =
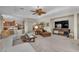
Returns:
<point x="62" y="28"/>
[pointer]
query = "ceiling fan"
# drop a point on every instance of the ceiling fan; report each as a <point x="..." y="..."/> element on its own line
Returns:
<point x="39" y="11"/>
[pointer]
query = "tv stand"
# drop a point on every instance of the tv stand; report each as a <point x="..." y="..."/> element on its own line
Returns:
<point x="62" y="31"/>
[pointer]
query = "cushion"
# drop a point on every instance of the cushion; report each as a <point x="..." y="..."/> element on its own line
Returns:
<point x="30" y="35"/>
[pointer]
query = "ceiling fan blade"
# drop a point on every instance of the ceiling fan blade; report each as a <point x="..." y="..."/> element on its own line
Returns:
<point x="43" y="12"/>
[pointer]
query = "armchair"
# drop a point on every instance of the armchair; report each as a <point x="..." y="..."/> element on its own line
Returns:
<point x="28" y="38"/>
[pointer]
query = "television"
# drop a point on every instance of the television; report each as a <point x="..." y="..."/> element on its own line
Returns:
<point x="62" y="24"/>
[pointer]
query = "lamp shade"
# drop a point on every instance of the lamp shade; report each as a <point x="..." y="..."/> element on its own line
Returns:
<point x="36" y="27"/>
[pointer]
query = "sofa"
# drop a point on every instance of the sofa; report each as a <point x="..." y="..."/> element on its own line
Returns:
<point x="45" y="34"/>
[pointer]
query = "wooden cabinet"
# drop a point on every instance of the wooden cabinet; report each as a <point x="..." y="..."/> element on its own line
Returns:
<point x="62" y="31"/>
<point x="9" y="23"/>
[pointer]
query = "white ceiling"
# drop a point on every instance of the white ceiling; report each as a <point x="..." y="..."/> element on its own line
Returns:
<point x="24" y="11"/>
<point x="17" y="11"/>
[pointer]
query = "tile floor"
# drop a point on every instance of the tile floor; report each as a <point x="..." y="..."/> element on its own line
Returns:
<point x="54" y="43"/>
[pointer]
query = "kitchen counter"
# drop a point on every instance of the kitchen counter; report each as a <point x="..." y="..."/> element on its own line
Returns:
<point x="6" y="42"/>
